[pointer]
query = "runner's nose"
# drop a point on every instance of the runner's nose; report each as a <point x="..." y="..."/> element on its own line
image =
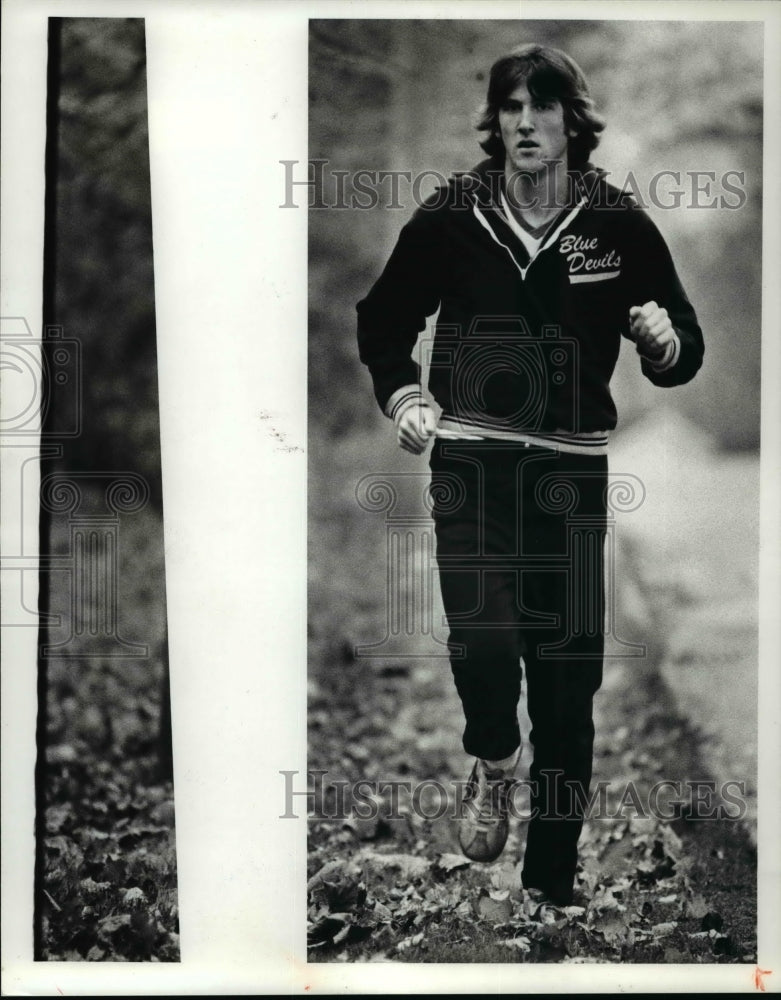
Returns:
<point x="525" y="122"/>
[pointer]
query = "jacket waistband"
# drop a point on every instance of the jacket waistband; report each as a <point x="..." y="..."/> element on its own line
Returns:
<point x="578" y="443"/>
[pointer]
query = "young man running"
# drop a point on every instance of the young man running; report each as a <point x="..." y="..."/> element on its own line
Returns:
<point x="538" y="267"/>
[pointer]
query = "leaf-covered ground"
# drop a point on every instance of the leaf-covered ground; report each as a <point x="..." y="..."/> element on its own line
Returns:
<point x="108" y="887"/>
<point x="393" y="886"/>
<point x="649" y="890"/>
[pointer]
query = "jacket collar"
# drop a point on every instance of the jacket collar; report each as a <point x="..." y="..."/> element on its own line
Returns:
<point x="483" y="187"/>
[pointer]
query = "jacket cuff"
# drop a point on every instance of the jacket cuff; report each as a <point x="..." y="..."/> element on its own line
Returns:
<point x="670" y="357"/>
<point x="402" y="399"/>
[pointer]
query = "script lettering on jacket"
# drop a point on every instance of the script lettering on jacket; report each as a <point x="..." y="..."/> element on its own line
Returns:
<point x="579" y="251"/>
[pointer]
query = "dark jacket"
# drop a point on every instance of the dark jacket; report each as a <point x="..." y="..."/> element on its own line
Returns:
<point x="526" y="344"/>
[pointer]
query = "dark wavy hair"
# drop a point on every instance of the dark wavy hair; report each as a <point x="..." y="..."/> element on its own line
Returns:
<point x="549" y="74"/>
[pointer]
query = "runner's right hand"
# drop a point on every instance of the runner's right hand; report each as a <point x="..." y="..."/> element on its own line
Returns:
<point x="415" y="427"/>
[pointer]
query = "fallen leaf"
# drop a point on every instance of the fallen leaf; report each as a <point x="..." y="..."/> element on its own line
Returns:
<point x="381" y="912"/>
<point x="452" y="862"/>
<point x="111" y="926"/>
<point x="331" y="868"/>
<point x="550" y="915"/>
<point x="58" y="816"/>
<point x="642" y="826"/>
<point x="590" y="875"/>
<point x="495" y="911"/>
<point x="364" y="828"/>
<point x="325" y="930"/>
<point x="672" y="843"/>
<point x="612" y="925"/>
<point x="341" y="934"/>
<point x="134" y="896"/>
<point x="521" y="944"/>
<point x="604" y="899"/>
<point x="92" y="888"/>
<point x="343" y="893"/>
<point x="696" y="907"/>
<point x="409" y="942"/>
<point x="508" y="877"/>
<point x="409" y="865"/>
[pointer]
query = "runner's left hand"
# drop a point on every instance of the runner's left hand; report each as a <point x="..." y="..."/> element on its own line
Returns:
<point x="651" y="330"/>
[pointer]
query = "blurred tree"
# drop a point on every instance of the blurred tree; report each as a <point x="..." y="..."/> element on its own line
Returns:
<point x="104" y="291"/>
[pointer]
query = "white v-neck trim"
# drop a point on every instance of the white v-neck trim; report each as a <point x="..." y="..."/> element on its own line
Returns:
<point x="542" y="244"/>
<point x="532" y="243"/>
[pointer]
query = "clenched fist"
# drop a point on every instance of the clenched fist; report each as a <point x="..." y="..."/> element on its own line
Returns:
<point x="415" y="426"/>
<point x="651" y="329"/>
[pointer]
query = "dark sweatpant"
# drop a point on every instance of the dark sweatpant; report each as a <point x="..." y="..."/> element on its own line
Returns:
<point x="520" y="535"/>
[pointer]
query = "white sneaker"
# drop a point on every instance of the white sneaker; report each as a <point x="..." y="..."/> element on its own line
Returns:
<point x="484" y="824"/>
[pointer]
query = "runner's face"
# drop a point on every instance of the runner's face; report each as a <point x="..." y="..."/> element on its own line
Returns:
<point x="533" y="130"/>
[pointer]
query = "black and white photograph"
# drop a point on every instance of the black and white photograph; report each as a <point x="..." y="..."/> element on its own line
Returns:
<point x="525" y="609"/>
<point x="390" y="550"/>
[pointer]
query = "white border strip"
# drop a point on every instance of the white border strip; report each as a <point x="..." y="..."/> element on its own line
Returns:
<point x="24" y="61"/>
